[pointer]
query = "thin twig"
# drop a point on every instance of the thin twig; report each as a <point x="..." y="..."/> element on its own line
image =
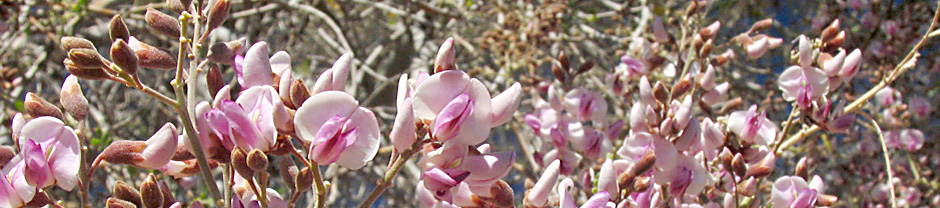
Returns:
<point x="884" y="148"/>
<point x="390" y="174"/>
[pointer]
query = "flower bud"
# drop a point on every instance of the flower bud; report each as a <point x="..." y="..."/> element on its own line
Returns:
<point x="150" y="193"/>
<point x="257" y="160"/>
<point x="124" y="57"/>
<point x="747" y="187"/>
<point x="710" y="31"/>
<point x="802" y="169"/>
<point x="36" y="107"/>
<point x="725" y="157"/>
<point x="823" y="200"/>
<point x="152" y="57"/>
<point x="298" y="93"/>
<point x="682" y="87"/>
<point x="830" y="31"/>
<point x="218" y="13"/>
<point x="117" y="203"/>
<point x="560" y="74"/>
<point x="124" y="192"/>
<point x="85" y="73"/>
<point x="762" y="25"/>
<point x="837" y="41"/>
<point x="288" y="171"/>
<point x="167" y="195"/>
<point x="162" y="23"/>
<point x="738" y="165"/>
<point x="706" y="48"/>
<point x="86" y="58"/>
<point x="214" y="79"/>
<point x="723" y="58"/>
<point x="72" y="98"/>
<point x="445" y="57"/>
<point x="6" y="154"/>
<point x="304" y="179"/>
<point x="644" y="164"/>
<point x="563" y="60"/>
<point x="68" y="43"/>
<point x="660" y="93"/>
<point x="764" y="168"/>
<point x="176" y="6"/>
<point x="585" y="67"/>
<point x="118" y="29"/>
<point x="221" y="53"/>
<point x="240" y="163"/>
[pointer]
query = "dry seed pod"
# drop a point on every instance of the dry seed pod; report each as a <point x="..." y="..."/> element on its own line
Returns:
<point x="118" y="30"/>
<point x="36" y="107"/>
<point x="240" y="163"/>
<point x="125" y="192"/>
<point x="72" y="98"/>
<point x="257" y="160"/>
<point x="85" y="73"/>
<point x="218" y="13"/>
<point x="162" y="23"/>
<point x="117" y="203"/>
<point x="762" y="25"/>
<point x="68" y="43"/>
<point x="86" y="58"/>
<point x="150" y="193"/>
<point x="298" y="92"/>
<point x="124" y="57"/>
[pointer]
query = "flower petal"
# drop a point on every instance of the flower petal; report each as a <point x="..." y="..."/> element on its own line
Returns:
<point x="257" y="67"/>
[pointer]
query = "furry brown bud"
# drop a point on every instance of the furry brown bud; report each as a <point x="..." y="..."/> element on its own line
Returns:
<point x="214" y="79"/>
<point x="176" y="6"/>
<point x="72" y="98"/>
<point x="240" y="163"/>
<point x="660" y="92"/>
<point x="154" y="58"/>
<point x="257" y="160"/>
<point x="710" y="31"/>
<point x="6" y="154"/>
<point x="802" y="169"/>
<point x="68" y="43"/>
<point x="118" y="29"/>
<point x="683" y="86"/>
<point x="824" y="200"/>
<point x="585" y="67"/>
<point x="124" y="57"/>
<point x="85" y="73"/>
<point x="117" y="203"/>
<point x="167" y="194"/>
<point x="762" y="25"/>
<point x="218" y="13"/>
<point x="124" y="192"/>
<point x="644" y="164"/>
<point x="738" y="165"/>
<point x="758" y="171"/>
<point x="563" y="60"/>
<point x="304" y="179"/>
<point x="86" y="58"/>
<point x="288" y="171"/>
<point x="560" y="74"/>
<point x="830" y="31"/>
<point x="162" y="23"/>
<point x="836" y="41"/>
<point x="221" y="53"/>
<point x="706" y="48"/>
<point x="150" y="193"/>
<point x="298" y="93"/>
<point x="36" y="107"/>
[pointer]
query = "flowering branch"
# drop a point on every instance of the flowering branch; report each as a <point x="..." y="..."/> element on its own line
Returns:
<point x="908" y="62"/>
<point x="399" y="162"/>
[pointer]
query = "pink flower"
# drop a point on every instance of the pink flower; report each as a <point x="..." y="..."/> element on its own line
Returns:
<point x="690" y="177"/>
<point x="538" y="195"/>
<point x="752" y="127"/>
<point x="460" y="107"/>
<point x="803" y="84"/>
<point x="920" y="106"/>
<point x="909" y="139"/>
<point x="14" y="190"/>
<point x="245" y="198"/>
<point x="631" y="67"/>
<point x="793" y="192"/>
<point x="51" y="153"/>
<point x="256" y="68"/>
<point x="887" y="97"/>
<point x="586" y="105"/>
<point x="338" y="129"/>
